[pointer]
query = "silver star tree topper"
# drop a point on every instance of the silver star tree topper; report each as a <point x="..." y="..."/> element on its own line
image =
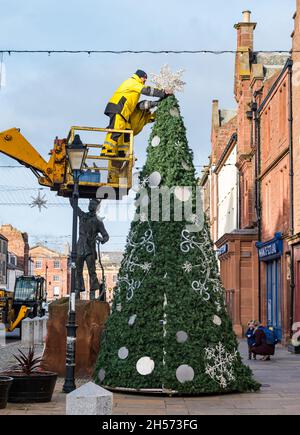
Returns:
<point x="39" y="202"/>
<point x="168" y="80"/>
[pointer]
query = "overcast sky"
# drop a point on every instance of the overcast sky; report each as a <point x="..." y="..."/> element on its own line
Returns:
<point x="45" y="95"/>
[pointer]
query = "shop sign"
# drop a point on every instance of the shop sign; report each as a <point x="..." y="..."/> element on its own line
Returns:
<point x="223" y="250"/>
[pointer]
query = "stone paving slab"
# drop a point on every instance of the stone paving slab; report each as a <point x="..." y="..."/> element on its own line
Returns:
<point x="7" y="353"/>
<point x="279" y="395"/>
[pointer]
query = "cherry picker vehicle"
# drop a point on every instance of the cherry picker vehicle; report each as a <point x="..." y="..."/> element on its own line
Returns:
<point x="56" y="173"/>
<point x="27" y="300"/>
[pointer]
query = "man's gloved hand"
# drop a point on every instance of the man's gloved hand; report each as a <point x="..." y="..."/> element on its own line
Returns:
<point x="166" y="96"/>
<point x="146" y="105"/>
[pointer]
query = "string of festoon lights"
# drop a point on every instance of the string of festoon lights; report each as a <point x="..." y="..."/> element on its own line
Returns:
<point x="118" y="52"/>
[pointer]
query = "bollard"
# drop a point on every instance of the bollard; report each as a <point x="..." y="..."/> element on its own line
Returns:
<point x="89" y="399"/>
<point x="2" y="335"/>
<point x="36" y="330"/>
<point x="27" y="332"/>
<point x="43" y="329"/>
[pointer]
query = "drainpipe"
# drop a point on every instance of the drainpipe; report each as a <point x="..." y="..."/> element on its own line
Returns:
<point x="258" y="195"/>
<point x="292" y="228"/>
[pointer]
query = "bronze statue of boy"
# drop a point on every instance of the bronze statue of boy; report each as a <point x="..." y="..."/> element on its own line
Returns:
<point x="90" y="227"/>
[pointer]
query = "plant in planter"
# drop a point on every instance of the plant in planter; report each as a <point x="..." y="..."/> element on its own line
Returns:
<point x="30" y="383"/>
<point x="5" y="384"/>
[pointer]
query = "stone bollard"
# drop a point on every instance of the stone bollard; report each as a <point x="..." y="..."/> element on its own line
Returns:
<point x="43" y="328"/>
<point x="36" y="330"/>
<point x="89" y="399"/>
<point x="27" y="332"/>
<point x="2" y="335"/>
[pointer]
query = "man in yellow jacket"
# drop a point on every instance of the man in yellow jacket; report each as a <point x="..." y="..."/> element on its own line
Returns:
<point x="127" y="113"/>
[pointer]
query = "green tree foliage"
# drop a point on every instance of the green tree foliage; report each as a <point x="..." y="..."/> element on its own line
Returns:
<point x="169" y="302"/>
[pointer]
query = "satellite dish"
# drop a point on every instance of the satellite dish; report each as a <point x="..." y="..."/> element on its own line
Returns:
<point x="154" y="179"/>
<point x="183" y="194"/>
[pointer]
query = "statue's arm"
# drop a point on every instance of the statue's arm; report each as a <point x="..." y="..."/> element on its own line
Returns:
<point x="80" y="212"/>
<point x="103" y="232"/>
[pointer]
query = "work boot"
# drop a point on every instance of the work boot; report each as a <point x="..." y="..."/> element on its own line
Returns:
<point x="109" y="150"/>
<point x="123" y="150"/>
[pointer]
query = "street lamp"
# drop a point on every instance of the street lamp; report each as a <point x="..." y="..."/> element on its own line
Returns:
<point x="76" y="153"/>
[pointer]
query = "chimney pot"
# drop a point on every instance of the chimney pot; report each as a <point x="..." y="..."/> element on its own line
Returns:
<point x="247" y="16"/>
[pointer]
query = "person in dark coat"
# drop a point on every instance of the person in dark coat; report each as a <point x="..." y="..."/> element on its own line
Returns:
<point x="250" y="338"/>
<point x="261" y="347"/>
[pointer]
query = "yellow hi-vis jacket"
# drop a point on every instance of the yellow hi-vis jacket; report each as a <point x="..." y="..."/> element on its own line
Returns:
<point x="126" y="97"/>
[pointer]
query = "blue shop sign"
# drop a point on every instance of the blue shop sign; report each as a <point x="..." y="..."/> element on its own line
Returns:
<point x="270" y="250"/>
<point x="223" y="250"/>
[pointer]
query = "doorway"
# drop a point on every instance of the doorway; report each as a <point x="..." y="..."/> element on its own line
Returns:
<point x="274" y="296"/>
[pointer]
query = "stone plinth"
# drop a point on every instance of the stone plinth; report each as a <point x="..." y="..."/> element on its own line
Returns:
<point x="89" y="399"/>
<point x="90" y="319"/>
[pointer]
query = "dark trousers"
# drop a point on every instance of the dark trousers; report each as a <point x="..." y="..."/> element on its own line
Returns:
<point x="91" y="265"/>
<point x="251" y="353"/>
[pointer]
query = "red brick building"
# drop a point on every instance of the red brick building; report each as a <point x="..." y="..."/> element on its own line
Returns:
<point x="249" y="186"/>
<point x="273" y="144"/>
<point x="54" y="267"/>
<point x="111" y="263"/>
<point x="233" y="216"/>
<point x="295" y="179"/>
<point x="18" y="244"/>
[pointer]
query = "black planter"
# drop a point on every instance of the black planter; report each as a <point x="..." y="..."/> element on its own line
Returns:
<point x="35" y="388"/>
<point x="5" y="384"/>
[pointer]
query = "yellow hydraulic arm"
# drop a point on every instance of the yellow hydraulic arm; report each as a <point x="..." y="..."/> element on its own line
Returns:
<point x="56" y="172"/>
<point x="51" y="173"/>
<point x="22" y="314"/>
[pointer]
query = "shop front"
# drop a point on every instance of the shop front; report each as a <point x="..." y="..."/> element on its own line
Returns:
<point x="270" y="255"/>
<point x="237" y="255"/>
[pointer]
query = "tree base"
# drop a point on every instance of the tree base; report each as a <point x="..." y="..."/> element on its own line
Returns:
<point x="164" y="392"/>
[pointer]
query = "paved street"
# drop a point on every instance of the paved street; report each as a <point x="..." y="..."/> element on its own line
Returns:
<point x="7" y="353"/>
<point x="280" y="394"/>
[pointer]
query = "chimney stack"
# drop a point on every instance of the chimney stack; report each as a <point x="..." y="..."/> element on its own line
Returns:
<point x="215" y="114"/>
<point x="247" y="16"/>
<point x="245" y="30"/>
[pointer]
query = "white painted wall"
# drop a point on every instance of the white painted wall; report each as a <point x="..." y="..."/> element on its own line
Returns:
<point x="228" y="195"/>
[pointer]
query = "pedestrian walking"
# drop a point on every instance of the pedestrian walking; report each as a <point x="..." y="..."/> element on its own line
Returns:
<point x="250" y="337"/>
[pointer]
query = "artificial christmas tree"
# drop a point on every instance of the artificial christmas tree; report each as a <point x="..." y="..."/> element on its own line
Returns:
<point x="169" y="330"/>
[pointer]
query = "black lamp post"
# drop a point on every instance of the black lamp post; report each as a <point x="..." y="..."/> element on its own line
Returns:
<point x="76" y="153"/>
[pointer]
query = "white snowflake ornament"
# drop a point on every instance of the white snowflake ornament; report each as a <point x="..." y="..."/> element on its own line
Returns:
<point x="219" y="364"/>
<point x="167" y="80"/>
<point x="187" y="267"/>
<point x="146" y="266"/>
